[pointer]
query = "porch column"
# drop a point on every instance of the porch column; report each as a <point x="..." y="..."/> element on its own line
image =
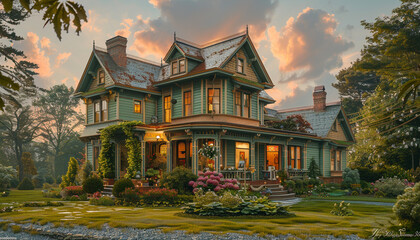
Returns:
<point x="257" y="161"/>
<point x="194" y="155"/>
<point x="252" y="153"/>
<point x="217" y="159"/>
<point x="286" y="157"/>
<point x="169" y="156"/>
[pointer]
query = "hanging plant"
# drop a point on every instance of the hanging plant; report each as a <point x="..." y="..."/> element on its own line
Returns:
<point x="208" y="151"/>
<point x="123" y="130"/>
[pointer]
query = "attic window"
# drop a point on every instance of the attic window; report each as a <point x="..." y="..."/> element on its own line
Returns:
<point x="178" y="66"/>
<point x="174" y="67"/>
<point x="182" y="65"/>
<point x="240" y="65"/>
<point x="101" y="76"/>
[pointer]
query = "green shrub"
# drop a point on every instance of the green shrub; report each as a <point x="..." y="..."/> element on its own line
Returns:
<point x="160" y="195"/>
<point x="121" y="185"/>
<point x="407" y="208"/>
<point x="290" y="185"/>
<point x="102" y="201"/>
<point x="368" y="175"/>
<point x="51" y="193"/>
<point x="391" y="187"/>
<point x="38" y="181"/>
<point x="131" y="197"/>
<point x="367" y="191"/>
<point x="85" y="170"/>
<point x="6" y="176"/>
<point x="49" y="179"/>
<point x="92" y="185"/>
<point x="82" y="197"/>
<point x="205" y="198"/>
<point x="26" y="184"/>
<point x="70" y="178"/>
<point x="351" y="176"/>
<point x="42" y="204"/>
<point x="59" y="179"/>
<point x="313" y="169"/>
<point x="178" y="179"/>
<point x="72" y="191"/>
<point x="341" y="209"/>
<point x="355" y="193"/>
<point x="379" y="194"/>
<point x="14" y="182"/>
<point x="230" y="201"/>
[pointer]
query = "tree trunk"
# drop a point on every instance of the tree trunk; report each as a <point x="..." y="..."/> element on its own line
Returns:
<point x="18" y="151"/>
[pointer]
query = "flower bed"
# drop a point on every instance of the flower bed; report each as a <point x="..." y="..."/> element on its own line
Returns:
<point x="213" y="181"/>
<point x="210" y="204"/>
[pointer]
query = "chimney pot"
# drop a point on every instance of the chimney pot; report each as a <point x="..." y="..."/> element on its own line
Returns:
<point x="320" y="98"/>
<point x="116" y="48"/>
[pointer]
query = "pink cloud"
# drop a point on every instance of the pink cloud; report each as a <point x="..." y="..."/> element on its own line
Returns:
<point x="62" y="58"/>
<point x="91" y="25"/>
<point x="308" y="46"/>
<point x="125" y="32"/>
<point x="32" y="48"/>
<point x="196" y="21"/>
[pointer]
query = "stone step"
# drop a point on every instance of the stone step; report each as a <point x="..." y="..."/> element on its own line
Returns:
<point x="283" y="196"/>
<point x="279" y="191"/>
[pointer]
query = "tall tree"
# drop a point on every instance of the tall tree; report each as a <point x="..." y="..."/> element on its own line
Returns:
<point x="355" y="87"/>
<point x="19" y="125"/>
<point x="393" y="50"/>
<point x="58" y="108"/>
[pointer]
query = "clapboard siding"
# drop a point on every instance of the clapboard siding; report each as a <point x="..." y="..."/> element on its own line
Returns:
<point x="230" y="153"/>
<point x="150" y="110"/>
<point x="112" y="108"/>
<point x="229" y="96"/>
<point x="254" y="106"/>
<point x="177" y="108"/>
<point x="127" y="110"/>
<point x="159" y="109"/>
<point x="89" y="152"/>
<point x="312" y="152"/>
<point x="90" y="113"/>
<point x="196" y="97"/>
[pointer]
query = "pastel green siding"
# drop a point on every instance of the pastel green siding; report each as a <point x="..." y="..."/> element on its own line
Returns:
<point x="204" y="100"/>
<point x="90" y="113"/>
<point x="159" y="109"/>
<point x="326" y="161"/>
<point x="229" y="107"/>
<point x="230" y="153"/>
<point x="254" y="106"/>
<point x="191" y="64"/>
<point x="196" y="97"/>
<point x="177" y="107"/>
<point x="150" y="110"/>
<point x="312" y="151"/>
<point x="261" y="158"/>
<point x="127" y="110"/>
<point x="89" y="152"/>
<point x="343" y="159"/>
<point x="112" y="110"/>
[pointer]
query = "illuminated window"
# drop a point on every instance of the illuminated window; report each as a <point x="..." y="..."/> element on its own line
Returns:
<point x="167" y="105"/>
<point x="101" y="76"/>
<point x="246" y="105"/>
<point x="163" y="149"/>
<point x="242" y="155"/>
<point x="273" y="157"/>
<point x="213" y="100"/>
<point x="182" y="65"/>
<point x="181" y="150"/>
<point x="295" y="157"/>
<point x="238" y="103"/>
<point x="187" y="103"/>
<point x="137" y="106"/>
<point x="240" y="65"/>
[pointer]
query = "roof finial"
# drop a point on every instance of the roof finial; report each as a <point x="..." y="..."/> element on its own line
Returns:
<point x="174" y="36"/>
<point x="93" y="44"/>
<point x="247" y="29"/>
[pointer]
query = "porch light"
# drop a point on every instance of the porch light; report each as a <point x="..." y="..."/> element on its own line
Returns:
<point x="138" y="175"/>
<point x="157" y="138"/>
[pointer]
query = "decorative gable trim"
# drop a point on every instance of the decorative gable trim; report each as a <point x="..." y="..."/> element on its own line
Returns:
<point x="268" y="83"/>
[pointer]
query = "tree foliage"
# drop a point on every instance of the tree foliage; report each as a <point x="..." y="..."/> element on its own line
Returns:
<point x="29" y="168"/>
<point x="58" y="108"/>
<point x="393" y="50"/>
<point x="294" y="123"/>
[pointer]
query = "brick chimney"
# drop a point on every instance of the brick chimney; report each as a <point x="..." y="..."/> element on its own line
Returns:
<point x="116" y="48"/>
<point x="320" y="98"/>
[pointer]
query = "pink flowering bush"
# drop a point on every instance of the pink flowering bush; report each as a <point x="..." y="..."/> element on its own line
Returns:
<point x="71" y="191"/>
<point x="213" y="181"/>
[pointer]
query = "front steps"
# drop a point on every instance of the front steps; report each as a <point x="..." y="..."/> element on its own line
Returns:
<point x="278" y="194"/>
<point x="107" y="190"/>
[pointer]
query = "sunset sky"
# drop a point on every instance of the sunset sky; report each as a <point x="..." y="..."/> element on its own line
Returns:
<point x="302" y="43"/>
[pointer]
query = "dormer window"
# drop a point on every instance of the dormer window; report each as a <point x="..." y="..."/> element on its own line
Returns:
<point x="240" y="65"/>
<point x="178" y="66"/>
<point x="174" y="67"/>
<point x="101" y="76"/>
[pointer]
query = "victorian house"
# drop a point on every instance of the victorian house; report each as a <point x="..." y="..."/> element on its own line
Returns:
<point x="212" y="93"/>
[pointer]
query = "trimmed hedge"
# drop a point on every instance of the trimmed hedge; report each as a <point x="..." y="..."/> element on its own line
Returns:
<point x="121" y="185"/>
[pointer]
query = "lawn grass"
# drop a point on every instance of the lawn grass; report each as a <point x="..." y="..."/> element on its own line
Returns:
<point x="312" y="218"/>
<point x="19" y="196"/>
<point x="354" y="198"/>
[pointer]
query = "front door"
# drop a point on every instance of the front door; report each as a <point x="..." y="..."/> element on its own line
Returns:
<point x="273" y="157"/>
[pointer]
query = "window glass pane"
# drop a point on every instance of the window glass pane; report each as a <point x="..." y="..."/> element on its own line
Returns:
<point x="181" y="150"/>
<point x="240" y="65"/>
<point x="137" y="106"/>
<point x="242" y="154"/>
<point x="298" y="153"/>
<point x="175" y="67"/>
<point x="182" y="65"/>
<point x="104" y="111"/>
<point x="167" y="103"/>
<point x="101" y="76"/>
<point x="187" y="103"/>
<point x="338" y="157"/>
<point x="333" y="155"/>
<point x="273" y="157"/>
<point x="97" y="107"/>
<point x="238" y="104"/>
<point x="246" y="105"/>
<point x="214" y="100"/>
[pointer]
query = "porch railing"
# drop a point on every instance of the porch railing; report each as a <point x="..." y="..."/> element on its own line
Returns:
<point x="237" y="174"/>
<point x="297" y="172"/>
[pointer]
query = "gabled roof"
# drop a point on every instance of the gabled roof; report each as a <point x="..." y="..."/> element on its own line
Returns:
<point x="139" y="73"/>
<point x="215" y="55"/>
<point x="321" y="122"/>
<point x="264" y="96"/>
